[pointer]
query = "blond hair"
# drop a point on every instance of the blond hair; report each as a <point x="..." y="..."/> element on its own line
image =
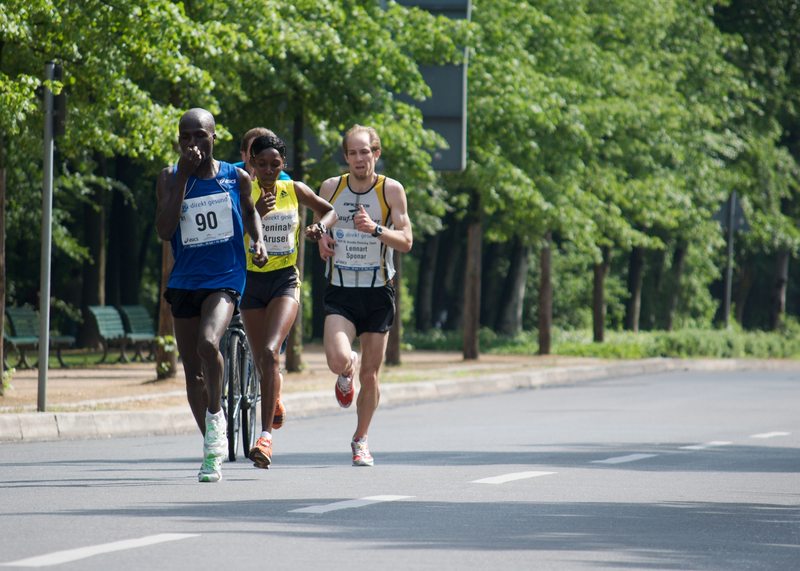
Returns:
<point x="253" y="134"/>
<point x="374" y="139"/>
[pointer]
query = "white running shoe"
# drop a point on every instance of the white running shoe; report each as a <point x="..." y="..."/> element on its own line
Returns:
<point x="211" y="469"/>
<point x="216" y="440"/>
<point x="361" y="455"/>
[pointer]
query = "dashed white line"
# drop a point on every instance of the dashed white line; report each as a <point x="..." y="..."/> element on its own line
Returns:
<point x="770" y="434"/>
<point x="623" y="459"/>
<point x="59" y="557"/>
<point x="707" y="445"/>
<point x="348" y="504"/>
<point x="511" y="477"/>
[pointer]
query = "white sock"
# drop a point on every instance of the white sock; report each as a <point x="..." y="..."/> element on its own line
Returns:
<point x="265" y="434"/>
<point x="217" y="415"/>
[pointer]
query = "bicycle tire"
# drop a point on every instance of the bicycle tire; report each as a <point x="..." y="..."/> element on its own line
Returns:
<point x="233" y="370"/>
<point x="224" y="346"/>
<point x="251" y="396"/>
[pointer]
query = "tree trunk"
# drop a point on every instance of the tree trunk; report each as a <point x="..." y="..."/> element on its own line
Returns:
<point x="125" y="239"/>
<point x="743" y="288"/>
<point x="778" y="301"/>
<point x="509" y="321"/>
<point x="294" y="351"/>
<point x="449" y="290"/>
<point x="166" y="354"/>
<point x="396" y="332"/>
<point x="2" y="251"/>
<point x="546" y="295"/>
<point x="94" y="270"/>
<point x="598" y="295"/>
<point x="635" y="274"/>
<point x="494" y="278"/>
<point x="472" y="282"/>
<point x="117" y="246"/>
<point x="673" y="295"/>
<point x="425" y="283"/>
<point x="653" y="312"/>
<point x="318" y="285"/>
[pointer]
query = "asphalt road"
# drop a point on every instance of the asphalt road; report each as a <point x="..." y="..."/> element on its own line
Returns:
<point x="681" y="470"/>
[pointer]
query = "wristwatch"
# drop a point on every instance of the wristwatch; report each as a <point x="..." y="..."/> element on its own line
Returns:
<point x="322" y="228"/>
<point x="378" y="231"/>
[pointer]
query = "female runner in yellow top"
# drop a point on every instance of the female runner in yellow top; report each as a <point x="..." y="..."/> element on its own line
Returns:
<point x="272" y="293"/>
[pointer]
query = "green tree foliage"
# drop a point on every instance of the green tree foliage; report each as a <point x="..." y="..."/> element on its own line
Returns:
<point x="613" y="124"/>
<point x="131" y="68"/>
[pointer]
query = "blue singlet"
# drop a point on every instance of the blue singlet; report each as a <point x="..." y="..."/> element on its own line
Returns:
<point x="208" y="245"/>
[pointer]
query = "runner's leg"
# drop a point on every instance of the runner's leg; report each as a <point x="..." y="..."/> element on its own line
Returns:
<point x="215" y="316"/>
<point x="266" y="329"/>
<point x="186" y="335"/>
<point x="339" y="333"/>
<point x="373" y="348"/>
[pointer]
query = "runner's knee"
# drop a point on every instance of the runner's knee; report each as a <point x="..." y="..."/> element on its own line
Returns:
<point x="270" y="358"/>
<point x="207" y="350"/>
<point x="339" y="362"/>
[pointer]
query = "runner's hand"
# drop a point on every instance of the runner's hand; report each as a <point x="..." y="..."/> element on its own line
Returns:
<point x="259" y="251"/>
<point x="189" y="161"/>
<point x="266" y="202"/>
<point x="314" y="232"/>
<point x="326" y="245"/>
<point x="363" y="222"/>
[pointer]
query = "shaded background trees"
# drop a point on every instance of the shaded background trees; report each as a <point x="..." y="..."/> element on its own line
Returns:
<point x="603" y="136"/>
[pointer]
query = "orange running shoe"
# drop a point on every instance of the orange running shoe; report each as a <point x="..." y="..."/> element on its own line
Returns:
<point x="344" y="388"/>
<point x="261" y="453"/>
<point x="279" y="416"/>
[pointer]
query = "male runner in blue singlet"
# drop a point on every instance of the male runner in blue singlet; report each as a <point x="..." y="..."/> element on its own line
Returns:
<point x="204" y="207"/>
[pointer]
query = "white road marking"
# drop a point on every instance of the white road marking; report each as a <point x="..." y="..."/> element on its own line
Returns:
<point x="769" y="434"/>
<point x="623" y="459"/>
<point x="347" y="504"/>
<point x="511" y="477"/>
<point x="59" y="557"/>
<point x="711" y="444"/>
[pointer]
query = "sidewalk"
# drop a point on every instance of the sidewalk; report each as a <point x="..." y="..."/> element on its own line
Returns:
<point x="126" y="399"/>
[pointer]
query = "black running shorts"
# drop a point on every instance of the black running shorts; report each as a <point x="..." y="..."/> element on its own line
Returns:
<point x="262" y="287"/>
<point x="186" y="303"/>
<point x="370" y="309"/>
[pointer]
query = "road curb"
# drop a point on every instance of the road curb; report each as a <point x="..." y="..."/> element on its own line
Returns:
<point x="48" y="426"/>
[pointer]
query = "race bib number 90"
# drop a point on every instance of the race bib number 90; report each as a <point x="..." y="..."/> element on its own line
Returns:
<point x="206" y="220"/>
<point x="356" y="250"/>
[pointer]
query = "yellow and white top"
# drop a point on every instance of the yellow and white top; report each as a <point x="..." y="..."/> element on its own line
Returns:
<point x="281" y="227"/>
<point x="360" y="259"/>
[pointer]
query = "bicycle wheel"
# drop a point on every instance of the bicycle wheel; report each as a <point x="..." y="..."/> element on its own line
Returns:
<point x="224" y="347"/>
<point x="251" y="397"/>
<point x="233" y="370"/>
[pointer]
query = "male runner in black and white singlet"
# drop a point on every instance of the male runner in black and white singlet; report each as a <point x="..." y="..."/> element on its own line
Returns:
<point x="359" y="300"/>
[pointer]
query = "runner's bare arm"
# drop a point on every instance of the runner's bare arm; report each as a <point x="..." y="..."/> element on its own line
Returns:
<point x="326" y="243"/>
<point x="323" y="211"/>
<point x="169" y="197"/>
<point x="250" y="218"/>
<point x="400" y="236"/>
<point x="171" y="189"/>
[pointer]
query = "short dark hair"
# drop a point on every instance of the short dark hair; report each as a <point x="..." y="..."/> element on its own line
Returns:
<point x="268" y="142"/>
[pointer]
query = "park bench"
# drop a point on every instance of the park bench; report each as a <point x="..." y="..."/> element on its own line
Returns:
<point x="23" y="335"/>
<point x="110" y="330"/>
<point x="140" y="329"/>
